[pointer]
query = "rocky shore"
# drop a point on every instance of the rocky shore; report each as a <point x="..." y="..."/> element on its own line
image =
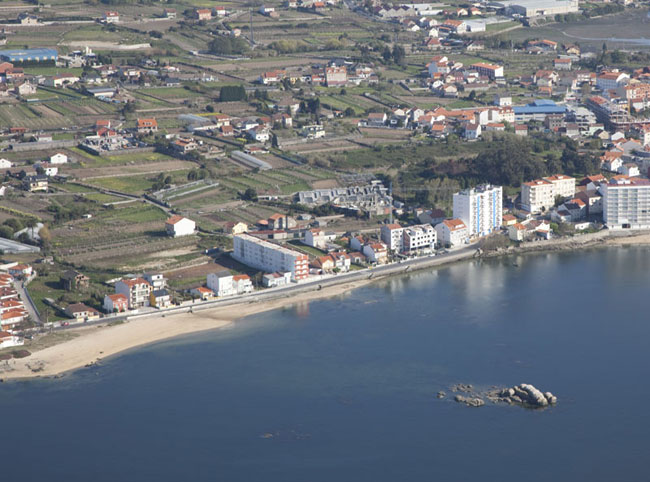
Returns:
<point x="524" y="395"/>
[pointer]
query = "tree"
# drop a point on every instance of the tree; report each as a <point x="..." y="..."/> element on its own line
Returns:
<point x="399" y="55"/>
<point x="387" y="54"/>
<point x="45" y="235"/>
<point x="250" y="194"/>
<point x="349" y="112"/>
<point x="231" y="93"/>
<point x="14" y="223"/>
<point x="6" y="232"/>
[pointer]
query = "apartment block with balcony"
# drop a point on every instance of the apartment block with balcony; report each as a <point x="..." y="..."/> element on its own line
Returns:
<point x="136" y="290"/>
<point x="626" y="203"/>
<point x="270" y="257"/>
<point x="480" y="208"/>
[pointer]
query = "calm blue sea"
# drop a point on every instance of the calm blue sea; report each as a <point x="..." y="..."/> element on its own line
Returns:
<point x="344" y="389"/>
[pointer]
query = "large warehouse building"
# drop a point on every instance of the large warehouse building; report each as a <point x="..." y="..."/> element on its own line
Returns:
<point x="29" y="55"/>
<point x="539" y="8"/>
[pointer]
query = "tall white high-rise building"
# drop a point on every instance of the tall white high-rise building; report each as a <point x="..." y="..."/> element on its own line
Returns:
<point x="626" y="203"/>
<point x="480" y="208"/>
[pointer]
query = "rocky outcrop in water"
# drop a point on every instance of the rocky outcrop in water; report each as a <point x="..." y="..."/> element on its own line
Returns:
<point x="525" y="395"/>
<point x="470" y="401"/>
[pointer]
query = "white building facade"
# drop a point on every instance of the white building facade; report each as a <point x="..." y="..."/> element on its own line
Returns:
<point x="420" y="238"/>
<point x="480" y="208"/>
<point x="452" y="232"/>
<point x="626" y="204"/>
<point x="393" y="236"/>
<point x="270" y="257"/>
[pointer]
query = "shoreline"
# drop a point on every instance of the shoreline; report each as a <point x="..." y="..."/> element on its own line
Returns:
<point x="95" y="343"/>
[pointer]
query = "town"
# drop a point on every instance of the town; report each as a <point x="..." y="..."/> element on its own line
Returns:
<point x="169" y="156"/>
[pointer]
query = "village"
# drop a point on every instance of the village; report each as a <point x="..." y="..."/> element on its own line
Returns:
<point x="169" y="156"/>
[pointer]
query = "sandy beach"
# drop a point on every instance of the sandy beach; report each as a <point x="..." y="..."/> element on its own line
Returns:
<point x="97" y="342"/>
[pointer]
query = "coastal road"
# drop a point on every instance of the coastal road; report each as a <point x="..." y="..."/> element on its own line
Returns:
<point x="377" y="272"/>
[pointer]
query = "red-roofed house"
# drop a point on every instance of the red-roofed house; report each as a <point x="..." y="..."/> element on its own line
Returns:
<point x="136" y="290"/>
<point x="116" y="303"/>
<point x="179" y="226"/>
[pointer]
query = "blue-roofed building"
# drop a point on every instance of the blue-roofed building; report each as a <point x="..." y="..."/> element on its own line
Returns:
<point x="29" y="55"/>
<point x="537" y="110"/>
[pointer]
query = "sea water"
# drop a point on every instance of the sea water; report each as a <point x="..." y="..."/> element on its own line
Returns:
<point x="345" y="389"/>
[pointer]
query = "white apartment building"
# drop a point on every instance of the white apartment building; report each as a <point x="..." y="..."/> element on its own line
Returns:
<point x="420" y="237"/>
<point x="452" y="232"/>
<point x="626" y="203"/>
<point x="270" y="257"/>
<point x="393" y="236"/>
<point x="136" y="290"/>
<point x="480" y="208"/>
<point x="540" y="194"/>
<point x="156" y="280"/>
<point x="223" y="283"/>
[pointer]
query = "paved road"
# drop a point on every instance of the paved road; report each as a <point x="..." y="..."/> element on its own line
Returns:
<point x="27" y="301"/>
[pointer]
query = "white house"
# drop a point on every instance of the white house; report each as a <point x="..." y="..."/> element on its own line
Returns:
<point x="452" y="232"/>
<point x="273" y="280"/>
<point x="376" y="252"/>
<point x="179" y="226"/>
<point x="393" y="236"/>
<point x="317" y="238"/>
<point x="4" y="164"/>
<point x="225" y="284"/>
<point x="58" y="158"/>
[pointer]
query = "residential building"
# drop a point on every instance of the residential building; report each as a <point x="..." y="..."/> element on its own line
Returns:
<point x="179" y="226"/>
<point x="393" y="236"/>
<point x="336" y="76"/>
<point x="452" y="232"/>
<point x="540" y="194"/>
<point x="147" y="126"/>
<point x="270" y="257"/>
<point x="36" y="183"/>
<point x="480" y="208"/>
<point x="325" y="264"/>
<point x="274" y="280"/>
<point x="20" y="271"/>
<point x="626" y="203"/>
<point x="156" y="280"/>
<point x="117" y="303"/>
<point x="202" y="293"/>
<point x="236" y="227"/>
<point x="81" y="312"/>
<point x="611" y="80"/>
<point x="317" y="238"/>
<point x="376" y="253"/>
<point x="342" y="261"/>
<point x="8" y="340"/>
<point x="74" y="280"/>
<point x="491" y="71"/>
<point x="136" y="290"/>
<point x="160" y="298"/>
<point x="202" y="14"/>
<point x="111" y="17"/>
<point x="223" y="283"/>
<point x="419" y="238"/>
